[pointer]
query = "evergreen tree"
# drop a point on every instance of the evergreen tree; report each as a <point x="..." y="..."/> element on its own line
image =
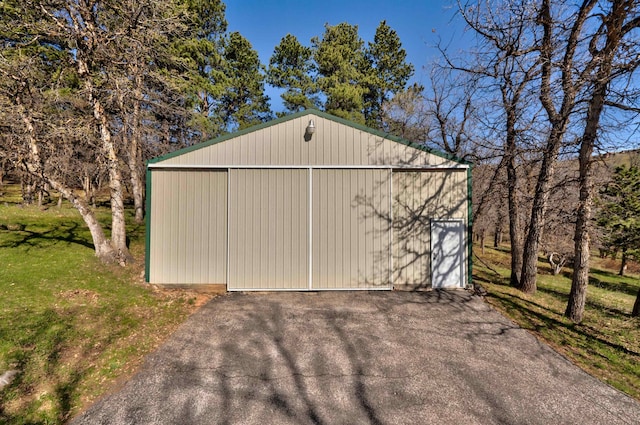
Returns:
<point x="388" y="72"/>
<point x="199" y="67"/>
<point x="291" y="68"/>
<point x="619" y="216"/>
<point x="341" y="64"/>
<point x="341" y="75"/>
<point x="243" y="102"/>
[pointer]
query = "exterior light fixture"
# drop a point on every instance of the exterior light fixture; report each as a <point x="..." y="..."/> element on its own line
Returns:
<point x="311" y="128"/>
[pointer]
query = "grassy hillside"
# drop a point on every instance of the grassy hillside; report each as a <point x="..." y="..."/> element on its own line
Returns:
<point x="606" y="344"/>
<point x="70" y="325"/>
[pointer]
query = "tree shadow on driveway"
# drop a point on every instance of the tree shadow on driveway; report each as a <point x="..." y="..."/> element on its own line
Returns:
<point x="357" y="357"/>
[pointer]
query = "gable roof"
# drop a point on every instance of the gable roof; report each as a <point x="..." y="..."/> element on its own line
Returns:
<point x="374" y="148"/>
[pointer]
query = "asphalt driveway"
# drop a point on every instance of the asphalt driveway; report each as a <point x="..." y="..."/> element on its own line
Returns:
<point x="358" y="358"/>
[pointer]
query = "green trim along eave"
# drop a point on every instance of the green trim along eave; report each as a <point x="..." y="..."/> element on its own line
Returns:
<point x="295" y="115"/>
<point x="469" y="225"/>
<point x="147" y="226"/>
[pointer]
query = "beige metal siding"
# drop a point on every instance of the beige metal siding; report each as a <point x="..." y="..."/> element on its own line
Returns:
<point x="268" y="229"/>
<point x="188" y="227"/>
<point x="351" y="235"/>
<point x="418" y="198"/>
<point x="333" y="143"/>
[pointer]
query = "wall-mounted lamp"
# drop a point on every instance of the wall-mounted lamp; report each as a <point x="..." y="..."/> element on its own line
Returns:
<point x="311" y="128"/>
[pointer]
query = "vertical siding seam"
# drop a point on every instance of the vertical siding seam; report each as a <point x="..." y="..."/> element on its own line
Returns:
<point x="228" y="224"/>
<point x="310" y="229"/>
<point x="390" y="177"/>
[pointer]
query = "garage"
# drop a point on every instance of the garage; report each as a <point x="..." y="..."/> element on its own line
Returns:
<point x="308" y="202"/>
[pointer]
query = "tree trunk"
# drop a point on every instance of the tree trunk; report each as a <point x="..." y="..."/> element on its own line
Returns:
<point x="118" y="222"/>
<point x="514" y="220"/>
<point x="102" y="246"/>
<point x="497" y="234"/>
<point x="538" y="212"/>
<point x="580" y="280"/>
<point x="104" y="250"/>
<point x="559" y="120"/>
<point x="137" y="186"/>
<point x="636" y="306"/>
<point x="623" y="265"/>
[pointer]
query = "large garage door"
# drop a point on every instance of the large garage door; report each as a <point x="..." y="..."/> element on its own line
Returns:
<point x="351" y="231"/>
<point x="269" y="229"/>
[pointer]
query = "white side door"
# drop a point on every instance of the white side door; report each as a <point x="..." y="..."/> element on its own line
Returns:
<point x="446" y="253"/>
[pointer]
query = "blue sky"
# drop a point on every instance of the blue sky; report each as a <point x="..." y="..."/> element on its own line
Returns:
<point x="419" y="25"/>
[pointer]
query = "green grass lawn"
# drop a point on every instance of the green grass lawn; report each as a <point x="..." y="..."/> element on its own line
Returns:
<point x="606" y="344"/>
<point x="70" y="325"/>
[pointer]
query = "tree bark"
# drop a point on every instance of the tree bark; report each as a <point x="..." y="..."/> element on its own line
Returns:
<point x="137" y="185"/>
<point x="497" y="234"/>
<point x="614" y="24"/>
<point x="112" y="164"/>
<point x="623" y="265"/>
<point x="102" y="246"/>
<point x="536" y="224"/>
<point x="514" y="210"/>
<point x="559" y="120"/>
<point x="118" y="221"/>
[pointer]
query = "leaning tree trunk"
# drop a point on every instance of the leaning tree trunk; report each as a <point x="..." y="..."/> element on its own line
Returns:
<point x="102" y="246"/>
<point x="84" y="40"/>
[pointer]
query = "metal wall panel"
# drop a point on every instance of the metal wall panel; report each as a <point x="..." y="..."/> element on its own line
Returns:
<point x="333" y="143"/>
<point x="418" y="198"/>
<point x="268" y="229"/>
<point x="188" y="227"/>
<point x="351" y="234"/>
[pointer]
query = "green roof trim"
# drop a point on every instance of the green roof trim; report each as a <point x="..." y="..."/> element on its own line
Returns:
<point x="147" y="227"/>
<point x="295" y="115"/>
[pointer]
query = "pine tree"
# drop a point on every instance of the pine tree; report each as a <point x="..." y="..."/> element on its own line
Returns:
<point x="619" y="217"/>
<point x="388" y="72"/>
<point x="199" y="68"/>
<point x="291" y="68"/>
<point x="341" y="75"/>
<point x="341" y="64"/>
<point x="243" y="102"/>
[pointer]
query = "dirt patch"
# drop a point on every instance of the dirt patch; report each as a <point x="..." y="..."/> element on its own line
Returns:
<point x="614" y="265"/>
<point x="194" y="298"/>
<point x="80" y="296"/>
